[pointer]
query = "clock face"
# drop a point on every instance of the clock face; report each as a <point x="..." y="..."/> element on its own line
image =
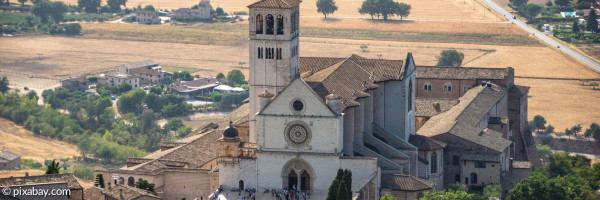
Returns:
<point x="298" y="134"/>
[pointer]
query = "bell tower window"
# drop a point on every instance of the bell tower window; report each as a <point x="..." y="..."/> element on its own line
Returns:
<point x="270" y="24"/>
<point x="279" y="24"/>
<point x="259" y="24"/>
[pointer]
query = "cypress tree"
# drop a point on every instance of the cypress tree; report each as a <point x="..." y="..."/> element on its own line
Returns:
<point x="348" y="181"/>
<point x="575" y="27"/>
<point x="592" y="24"/>
<point x="333" y="188"/>
<point x="342" y="192"/>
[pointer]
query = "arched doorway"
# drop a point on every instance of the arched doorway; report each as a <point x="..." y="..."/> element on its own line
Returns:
<point x="131" y="181"/>
<point x="298" y="173"/>
<point x="241" y="185"/>
<point x="292" y="180"/>
<point x="227" y="151"/>
<point x="305" y="181"/>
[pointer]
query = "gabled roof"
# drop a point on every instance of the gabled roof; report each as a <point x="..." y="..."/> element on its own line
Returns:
<point x="281" y="4"/>
<point x="462" y="119"/>
<point x="401" y="182"/>
<point x="349" y="77"/>
<point x="426" y="144"/>
<point x="144" y="63"/>
<point x="471" y="73"/>
<point x="302" y="90"/>
<point x="427" y="107"/>
<point x="116" y="191"/>
<point x="71" y="181"/>
<point x="8" y="156"/>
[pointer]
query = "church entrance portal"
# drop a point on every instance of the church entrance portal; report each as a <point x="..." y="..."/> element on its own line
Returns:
<point x="297" y="174"/>
<point x="292" y="180"/>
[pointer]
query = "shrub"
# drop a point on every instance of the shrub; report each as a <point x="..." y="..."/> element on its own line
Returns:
<point x="84" y="172"/>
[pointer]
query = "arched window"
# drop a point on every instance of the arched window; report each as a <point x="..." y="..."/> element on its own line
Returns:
<point x="270" y="24"/>
<point x="473" y="178"/>
<point x="279" y="24"/>
<point x="259" y="24"/>
<point x="410" y="91"/>
<point x="292" y="24"/>
<point x="131" y="181"/>
<point x="433" y="162"/>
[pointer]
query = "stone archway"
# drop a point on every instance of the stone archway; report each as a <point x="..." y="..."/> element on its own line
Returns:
<point x="298" y="173"/>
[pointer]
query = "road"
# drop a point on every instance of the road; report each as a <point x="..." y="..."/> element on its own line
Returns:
<point x="594" y="65"/>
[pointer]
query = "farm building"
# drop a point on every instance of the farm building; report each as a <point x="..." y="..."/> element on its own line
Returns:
<point x="202" y="12"/>
<point x="75" y="84"/>
<point x="9" y="160"/>
<point x="198" y="87"/>
<point x="146" y="17"/>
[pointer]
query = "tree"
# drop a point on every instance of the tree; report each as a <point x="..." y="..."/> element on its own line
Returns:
<point x="576" y="129"/>
<point x="99" y="181"/>
<point x="326" y="7"/>
<point x="115" y="5"/>
<point x="518" y="3"/>
<point x="348" y="181"/>
<point x="561" y="3"/>
<point x="73" y="28"/>
<point x="53" y="168"/>
<point x="220" y="11"/>
<point x="89" y="6"/>
<point x="594" y="85"/>
<point x="145" y="185"/>
<point x="149" y="8"/>
<point x="568" y="132"/>
<point x="342" y="191"/>
<point x="32" y="95"/>
<point x="368" y="7"/>
<point x="549" y="129"/>
<point x="575" y="27"/>
<point x="492" y="191"/>
<point x="549" y="3"/>
<point x="544" y="151"/>
<point x="125" y="87"/>
<point x="4" y="85"/>
<point x="450" y="57"/>
<point x="539" y="186"/>
<point x="333" y="188"/>
<point x="403" y="10"/>
<point x="147" y="118"/>
<point x="530" y="11"/>
<point x="450" y="194"/>
<point x="42" y="9"/>
<point x="592" y="24"/>
<point x="236" y="77"/>
<point x="220" y="76"/>
<point x="387" y="197"/>
<point x="22" y="2"/>
<point x="156" y="90"/>
<point x="173" y="125"/>
<point x="589" y="131"/>
<point x="539" y="122"/>
<point x="58" y="11"/>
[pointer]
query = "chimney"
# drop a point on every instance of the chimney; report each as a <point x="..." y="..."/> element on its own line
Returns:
<point x="436" y="105"/>
<point x="334" y="102"/>
<point x="264" y="98"/>
<point x="489" y="84"/>
<point x="483" y="83"/>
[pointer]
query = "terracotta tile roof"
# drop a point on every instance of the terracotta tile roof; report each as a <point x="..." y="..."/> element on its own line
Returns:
<point x="472" y="73"/>
<point x="349" y="77"/>
<point x="116" y="191"/>
<point x="427" y="107"/>
<point x="145" y="63"/>
<point x="8" y="156"/>
<point x="71" y="181"/>
<point x="282" y="4"/>
<point x="425" y="143"/>
<point x="522" y="164"/>
<point x="401" y="182"/>
<point x="462" y="119"/>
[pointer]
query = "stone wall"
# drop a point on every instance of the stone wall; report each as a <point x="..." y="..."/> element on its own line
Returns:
<point x="11" y="165"/>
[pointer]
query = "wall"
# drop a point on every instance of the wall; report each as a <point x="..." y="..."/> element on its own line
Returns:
<point x="488" y="175"/>
<point x="231" y="174"/>
<point x="187" y="185"/>
<point x="11" y="165"/>
<point x="403" y="195"/>
<point x="395" y="108"/>
<point x="437" y="88"/>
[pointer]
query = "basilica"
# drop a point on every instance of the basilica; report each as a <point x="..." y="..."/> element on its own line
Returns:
<point x="307" y="117"/>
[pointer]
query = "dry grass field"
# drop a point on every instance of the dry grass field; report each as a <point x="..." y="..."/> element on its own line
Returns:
<point x="444" y="10"/>
<point x="592" y="50"/>
<point x="17" y="173"/>
<point x="21" y="141"/>
<point x="62" y="54"/>
<point x="562" y="103"/>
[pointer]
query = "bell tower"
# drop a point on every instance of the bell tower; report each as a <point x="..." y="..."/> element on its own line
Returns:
<point x="273" y="50"/>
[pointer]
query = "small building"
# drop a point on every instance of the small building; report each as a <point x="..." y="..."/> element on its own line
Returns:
<point x="66" y="184"/>
<point x="202" y="12"/>
<point x="115" y="79"/>
<point x="146" y="17"/>
<point x="118" y="192"/>
<point x="568" y="14"/>
<point x="405" y="187"/>
<point x="75" y="84"/>
<point x="521" y="168"/>
<point x="9" y="160"/>
<point x="146" y="64"/>
<point x="150" y="76"/>
<point x="198" y="87"/>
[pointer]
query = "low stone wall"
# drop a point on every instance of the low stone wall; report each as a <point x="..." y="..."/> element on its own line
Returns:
<point x="579" y="146"/>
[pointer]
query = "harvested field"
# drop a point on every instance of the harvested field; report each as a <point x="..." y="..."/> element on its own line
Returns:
<point x="563" y="103"/>
<point x="591" y="50"/>
<point x="21" y="141"/>
<point x="448" y="10"/>
<point x="18" y="173"/>
<point x="100" y="55"/>
<point x="407" y="31"/>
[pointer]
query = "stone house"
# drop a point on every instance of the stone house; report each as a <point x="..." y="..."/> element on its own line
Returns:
<point x="150" y="77"/>
<point x="198" y="87"/>
<point x="475" y="154"/>
<point x="146" y="64"/>
<point x="202" y="12"/>
<point x="75" y="84"/>
<point x="454" y="82"/>
<point x="136" y="74"/>
<point x="115" y="79"/>
<point x="62" y="182"/>
<point x="146" y="17"/>
<point x="9" y="160"/>
<point x="118" y="192"/>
